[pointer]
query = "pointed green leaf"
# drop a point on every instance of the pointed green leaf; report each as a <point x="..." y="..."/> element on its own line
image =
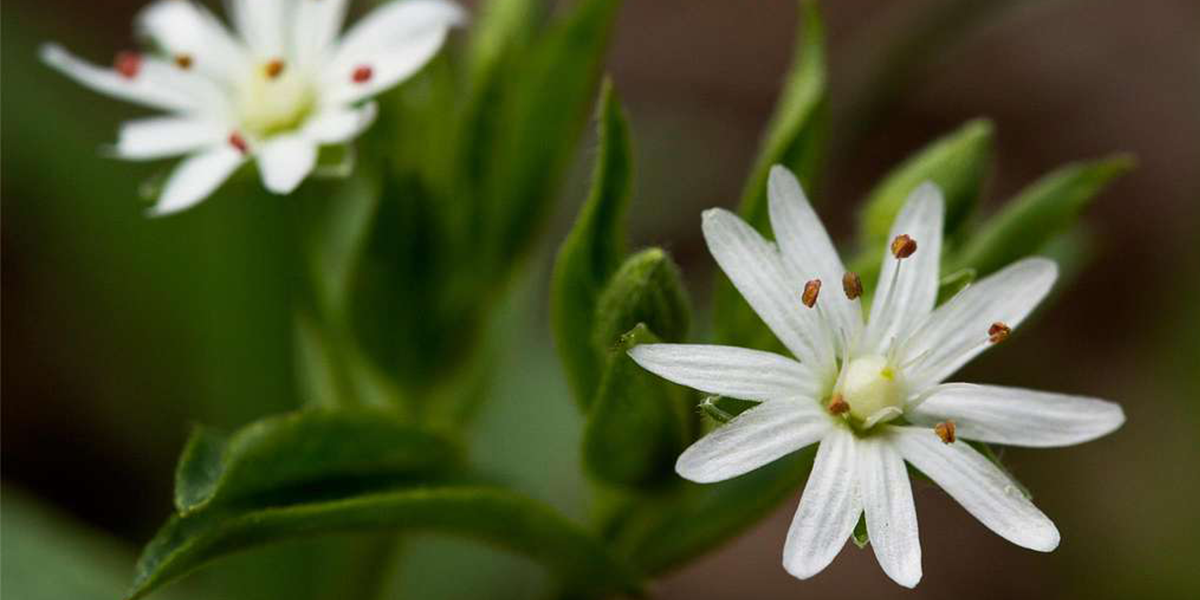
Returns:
<point x="639" y="422"/>
<point x="957" y="163"/>
<point x="294" y="454"/>
<point x="541" y="123"/>
<point x="592" y="251"/>
<point x="647" y="289"/>
<point x="488" y="514"/>
<point x="1039" y="213"/>
<point x="794" y="139"/>
<point x="501" y="27"/>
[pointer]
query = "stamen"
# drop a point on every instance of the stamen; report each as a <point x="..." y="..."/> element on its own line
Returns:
<point x="237" y="141"/>
<point x="945" y="431"/>
<point x="362" y="74"/>
<point x="183" y="61"/>
<point x="838" y="405"/>
<point x="903" y="247"/>
<point x="852" y="285"/>
<point x="812" y="289"/>
<point x="998" y="332"/>
<point x="128" y="64"/>
<point x="274" y="68"/>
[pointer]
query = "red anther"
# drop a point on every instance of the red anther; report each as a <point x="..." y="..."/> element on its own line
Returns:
<point x="128" y="64"/>
<point x="237" y="141"/>
<point x="362" y="74"/>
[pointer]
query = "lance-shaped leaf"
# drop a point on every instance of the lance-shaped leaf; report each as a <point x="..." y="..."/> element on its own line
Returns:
<point x="1038" y="214"/>
<point x="660" y="533"/>
<point x="592" y="252"/>
<point x="794" y="139"/>
<point x="957" y="163"/>
<point x="639" y="422"/>
<point x="542" y="120"/>
<point x="317" y="450"/>
<point x="647" y="289"/>
<point x="492" y="515"/>
<point x="502" y="27"/>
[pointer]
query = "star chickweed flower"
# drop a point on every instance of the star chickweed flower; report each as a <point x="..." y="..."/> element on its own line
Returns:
<point x="274" y="91"/>
<point x="871" y="393"/>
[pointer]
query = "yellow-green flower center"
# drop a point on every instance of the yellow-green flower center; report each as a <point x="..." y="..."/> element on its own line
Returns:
<point x="274" y="99"/>
<point x="871" y="387"/>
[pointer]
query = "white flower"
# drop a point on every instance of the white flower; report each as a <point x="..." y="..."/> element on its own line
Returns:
<point x="275" y="91"/>
<point x="870" y="393"/>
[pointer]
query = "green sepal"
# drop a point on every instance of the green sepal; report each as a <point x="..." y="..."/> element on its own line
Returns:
<point x="592" y="252"/>
<point x="1040" y="213"/>
<point x="316" y="450"/>
<point x="860" y="536"/>
<point x="721" y="410"/>
<point x="639" y="422"/>
<point x="955" y="282"/>
<point x="488" y="514"/>
<point x="648" y="288"/>
<point x="794" y="138"/>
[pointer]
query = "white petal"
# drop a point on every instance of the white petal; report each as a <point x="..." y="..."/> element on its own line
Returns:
<point x="908" y="288"/>
<point x="155" y="85"/>
<point x="752" y="439"/>
<point x="1018" y="417"/>
<point x="285" y="161"/>
<point x="829" y="508"/>
<point x="958" y="330"/>
<point x="340" y="125"/>
<point x="890" y="512"/>
<point x="196" y="178"/>
<point x="315" y="29"/>
<point x="809" y="252"/>
<point x="727" y="370"/>
<point x="262" y="24"/>
<point x="981" y="488"/>
<point x="184" y="28"/>
<point x="393" y="41"/>
<point x="758" y="273"/>
<point x="161" y="137"/>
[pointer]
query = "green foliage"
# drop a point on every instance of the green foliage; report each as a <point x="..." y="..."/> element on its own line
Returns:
<point x="592" y="251"/>
<point x="1044" y="210"/>
<point x="639" y="422"/>
<point x="957" y="163"/>
<point x="488" y="514"/>
<point x="794" y="138"/>
<point x="536" y="130"/>
<point x="313" y="449"/>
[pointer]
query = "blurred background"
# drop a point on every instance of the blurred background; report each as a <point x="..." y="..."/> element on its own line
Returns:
<point x="119" y="332"/>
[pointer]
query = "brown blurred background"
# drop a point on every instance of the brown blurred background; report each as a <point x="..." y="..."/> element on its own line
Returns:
<point x="103" y="346"/>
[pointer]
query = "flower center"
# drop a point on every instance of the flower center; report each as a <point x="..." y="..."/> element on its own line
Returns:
<point x="872" y="388"/>
<point x="274" y="99"/>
